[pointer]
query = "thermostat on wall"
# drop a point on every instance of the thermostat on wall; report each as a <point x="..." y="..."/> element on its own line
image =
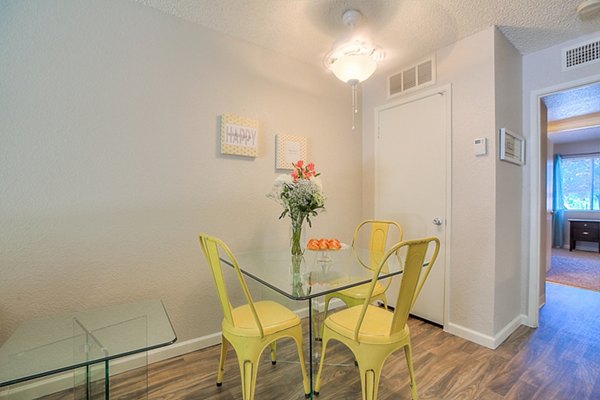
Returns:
<point x="480" y="146"/>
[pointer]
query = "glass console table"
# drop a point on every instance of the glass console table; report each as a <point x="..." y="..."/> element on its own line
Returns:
<point x="316" y="274"/>
<point x="84" y="343"/>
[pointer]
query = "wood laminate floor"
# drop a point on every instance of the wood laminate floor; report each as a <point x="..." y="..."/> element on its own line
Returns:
<point x="559" y="360"/>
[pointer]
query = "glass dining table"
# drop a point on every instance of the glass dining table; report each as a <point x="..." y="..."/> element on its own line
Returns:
<point x="77" y="347"/>
<point x="317" y="274"/>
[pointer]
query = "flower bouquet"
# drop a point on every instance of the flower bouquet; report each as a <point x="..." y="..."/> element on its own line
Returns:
<point x="301" y="195"/>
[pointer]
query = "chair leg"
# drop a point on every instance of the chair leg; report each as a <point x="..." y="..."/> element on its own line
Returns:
<point x="411" y="372"/>
<point x="248" y="371"/>
<point x="326" y="306"/>
<point x="322" y="361"/>
<point x="248" y="362"/>
<point x="224" y="347"/>
<point x="298" y="339"/>
<point x="370" y="372"/>
<point x="273" y="347"/>
<point x="328" y="298"/>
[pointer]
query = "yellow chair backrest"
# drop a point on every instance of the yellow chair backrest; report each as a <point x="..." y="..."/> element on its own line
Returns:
<point x="211" y="247"/>
<point x="416" y="270"/>
<point x="377" y="239"/>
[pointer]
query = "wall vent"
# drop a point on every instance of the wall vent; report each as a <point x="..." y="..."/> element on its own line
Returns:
<point x="581" y="55"/>
<point x="413" y="77"/>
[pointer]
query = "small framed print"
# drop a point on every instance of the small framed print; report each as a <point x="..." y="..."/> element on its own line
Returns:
<point x="239" y="135"/>
<point x="512" y="147"/>
<point x="290" y="149"/>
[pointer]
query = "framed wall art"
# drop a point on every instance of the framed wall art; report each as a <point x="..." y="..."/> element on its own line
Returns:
<point x="289" y="149"/>
<point x="512" y="147"/>
<point x="239" y="135"/>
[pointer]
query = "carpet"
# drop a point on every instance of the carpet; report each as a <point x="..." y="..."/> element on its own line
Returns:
<point x="576" y="268"/>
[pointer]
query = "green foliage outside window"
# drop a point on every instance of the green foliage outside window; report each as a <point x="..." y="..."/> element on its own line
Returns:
<point x="581" y="182"/>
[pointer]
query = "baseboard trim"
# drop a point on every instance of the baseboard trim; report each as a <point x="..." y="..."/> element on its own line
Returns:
<point x="512" y="326"/>
<point x="470" y="335"/>
<point x="491" y="342"/>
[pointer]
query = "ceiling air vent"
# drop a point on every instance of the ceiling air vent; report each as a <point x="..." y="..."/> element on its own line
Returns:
<point x="411" y="78"/>
<point x="581" y="55"/>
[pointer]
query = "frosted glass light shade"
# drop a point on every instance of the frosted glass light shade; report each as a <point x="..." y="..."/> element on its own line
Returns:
<point x="353" y="67"/>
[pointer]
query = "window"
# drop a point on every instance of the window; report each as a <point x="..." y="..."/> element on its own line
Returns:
<point x="581" y="182"/>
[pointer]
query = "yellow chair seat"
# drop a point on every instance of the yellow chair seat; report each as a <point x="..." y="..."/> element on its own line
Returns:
<point x="377" y="244"/>
<point x="375" y="328"/>
<point x="273" y="317"/>
<point x="373" y="333"/>
<point x="362" y="291"/>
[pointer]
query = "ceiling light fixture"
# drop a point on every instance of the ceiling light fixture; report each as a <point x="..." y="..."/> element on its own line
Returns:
<point x="354" y="58"/>
<point x="588" y="8"/>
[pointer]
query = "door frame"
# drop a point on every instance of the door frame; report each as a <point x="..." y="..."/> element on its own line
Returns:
<point x="446" y="91"/>
<point x="535" y="198"/>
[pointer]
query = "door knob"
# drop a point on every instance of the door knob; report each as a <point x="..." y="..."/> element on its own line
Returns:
<point x="438" y="221"/>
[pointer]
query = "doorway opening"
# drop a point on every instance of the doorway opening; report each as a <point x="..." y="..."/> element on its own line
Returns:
<point x="540" y="213"/>
<point x="572" y="245"/>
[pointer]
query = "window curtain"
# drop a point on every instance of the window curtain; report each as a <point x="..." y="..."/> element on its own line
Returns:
<point x="558" y="206"/>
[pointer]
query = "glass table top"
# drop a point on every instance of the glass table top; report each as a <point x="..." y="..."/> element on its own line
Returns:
<point x="52" y="344"/>
<point x="318" y="273"/>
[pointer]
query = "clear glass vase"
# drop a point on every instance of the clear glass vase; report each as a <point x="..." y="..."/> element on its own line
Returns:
<point x="296" y="236"/>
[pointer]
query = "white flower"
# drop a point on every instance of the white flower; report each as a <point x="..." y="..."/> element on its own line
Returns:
<point x="300" y="193"/>
<point x="317" y="181"/>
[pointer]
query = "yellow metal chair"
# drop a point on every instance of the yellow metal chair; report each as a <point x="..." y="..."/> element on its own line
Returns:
<point x="378" y="239"/>
<point x="373" y="333"/>
<point x="250" y="328"/>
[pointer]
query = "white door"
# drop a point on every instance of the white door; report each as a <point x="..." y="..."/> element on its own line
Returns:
<point x="412" y="170"/>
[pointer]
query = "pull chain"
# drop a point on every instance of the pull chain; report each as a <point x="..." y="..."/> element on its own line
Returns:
<point x="354" y="85"/>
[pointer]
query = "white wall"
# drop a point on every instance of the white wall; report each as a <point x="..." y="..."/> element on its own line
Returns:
<point x="485" y="269"/>
<point x="469" y="66"/>
<point x="542" y="75"/>
<point x="573" y="148"/>
<point x="509" y="183"/>
<point x="110" y="164"/>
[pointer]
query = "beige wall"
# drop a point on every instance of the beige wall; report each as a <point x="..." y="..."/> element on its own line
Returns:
<point x="509" y="183"/>
<point x="468" y="66"/>
<point x="485" y="278"/>
<point x="110" y="164"/>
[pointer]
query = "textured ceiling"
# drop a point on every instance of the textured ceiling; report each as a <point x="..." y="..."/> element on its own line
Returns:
<point x="573" y="103"/>
<point x="406" y="29"/>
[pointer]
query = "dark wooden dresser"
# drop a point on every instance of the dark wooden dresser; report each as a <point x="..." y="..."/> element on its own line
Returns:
<point x="584" y="230"/>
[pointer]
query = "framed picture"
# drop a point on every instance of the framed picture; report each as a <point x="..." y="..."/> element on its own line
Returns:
<point x="289" y="149"/>
<point x="239" y="135"/>
<point x="512" y="147"/>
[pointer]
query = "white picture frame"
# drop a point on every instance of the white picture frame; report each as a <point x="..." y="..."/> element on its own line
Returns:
<point x="512" y="147"/>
